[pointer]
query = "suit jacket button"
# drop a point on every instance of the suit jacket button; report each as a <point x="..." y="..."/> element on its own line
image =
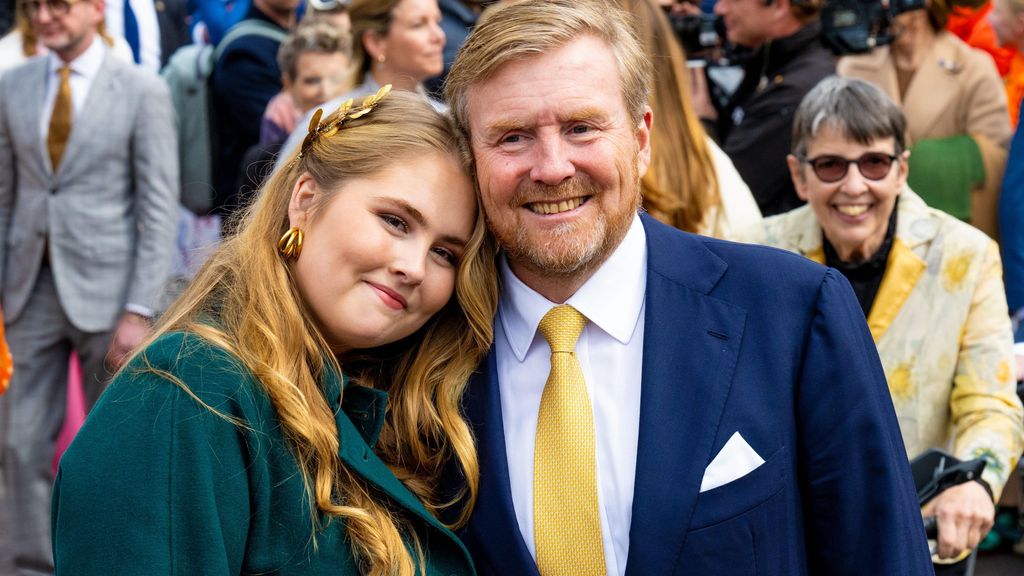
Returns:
<point x="53" y="190"/>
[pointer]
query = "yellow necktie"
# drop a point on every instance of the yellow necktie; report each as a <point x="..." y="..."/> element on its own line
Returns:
<point x="60" y="120"/>
<point x="567" y="522"/>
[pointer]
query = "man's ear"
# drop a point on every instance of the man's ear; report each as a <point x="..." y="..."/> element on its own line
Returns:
<point x="797" y="175"/>
<point x="643" y="138"/>
<point x="99" y="6"/>
<point x="304" y="196"/>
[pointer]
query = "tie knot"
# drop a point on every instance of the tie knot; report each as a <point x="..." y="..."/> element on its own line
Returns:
<point x="65" y="73"/>
<point x="561" y="327"/>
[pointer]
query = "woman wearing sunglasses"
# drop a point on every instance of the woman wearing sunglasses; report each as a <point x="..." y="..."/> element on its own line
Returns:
<point x="929" y="285"/>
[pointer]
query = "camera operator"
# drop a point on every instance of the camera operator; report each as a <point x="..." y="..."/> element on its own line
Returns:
<point x="788" y="60"/>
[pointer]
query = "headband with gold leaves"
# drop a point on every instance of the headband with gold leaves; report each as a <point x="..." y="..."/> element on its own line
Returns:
<point x="344" y="112"/>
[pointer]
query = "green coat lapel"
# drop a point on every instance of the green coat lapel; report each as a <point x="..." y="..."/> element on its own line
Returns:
<point x="360" y="419"/>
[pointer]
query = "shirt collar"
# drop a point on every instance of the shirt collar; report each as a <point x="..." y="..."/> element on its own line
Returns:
<point x="87" y="64"/>
<point x="611" y="299"/>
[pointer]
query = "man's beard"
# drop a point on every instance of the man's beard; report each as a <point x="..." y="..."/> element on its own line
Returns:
<point x="571" y="248"/>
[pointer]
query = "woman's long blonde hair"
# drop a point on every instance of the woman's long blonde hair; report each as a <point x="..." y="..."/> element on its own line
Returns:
<point x="680" y="187"/>
<point x="245" y="301"/>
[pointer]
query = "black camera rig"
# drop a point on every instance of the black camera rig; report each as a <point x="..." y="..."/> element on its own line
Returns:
<point x="857" y="26"/>
<point x="847" y="27"/>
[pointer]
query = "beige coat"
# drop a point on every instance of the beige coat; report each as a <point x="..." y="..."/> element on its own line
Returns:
<point x="957" y="90"/>
<point x="943" y="333"/>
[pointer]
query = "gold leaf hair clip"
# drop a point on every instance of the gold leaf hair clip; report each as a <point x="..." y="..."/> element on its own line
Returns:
<point x="344" y="112"/>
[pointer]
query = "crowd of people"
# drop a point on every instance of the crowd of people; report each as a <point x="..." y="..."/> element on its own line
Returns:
<point x="506" y="287"/>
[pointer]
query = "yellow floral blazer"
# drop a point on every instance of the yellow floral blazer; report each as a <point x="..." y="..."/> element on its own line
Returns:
<point x="942" y="329"/>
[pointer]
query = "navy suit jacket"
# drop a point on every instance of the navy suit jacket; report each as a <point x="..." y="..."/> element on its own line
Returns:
<point x="748" y="339"/>
<point x="244" y="80"/>
<point x="1011" y="216"/>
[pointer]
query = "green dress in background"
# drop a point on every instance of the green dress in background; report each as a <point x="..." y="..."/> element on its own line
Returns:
<point x="156" y="483"/>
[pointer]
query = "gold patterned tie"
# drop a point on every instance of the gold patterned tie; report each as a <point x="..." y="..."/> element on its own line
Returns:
<point x="60" y="120"/>
<point x="567" y="522"/>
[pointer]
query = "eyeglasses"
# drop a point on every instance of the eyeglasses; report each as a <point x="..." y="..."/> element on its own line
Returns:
<point x="829" y="168"/>
<point x="55" y="7"/>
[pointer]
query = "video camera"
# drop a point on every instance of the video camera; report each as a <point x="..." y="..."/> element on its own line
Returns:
<point x="697" y="33"/>
<point x="847" y="26"/>
<point x="857" y="26"/>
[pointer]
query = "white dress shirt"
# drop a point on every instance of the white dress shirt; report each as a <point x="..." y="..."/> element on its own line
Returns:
<point x="610" y="352"/>
<point x="83" y="71"/>
<point x="149" y="28"/>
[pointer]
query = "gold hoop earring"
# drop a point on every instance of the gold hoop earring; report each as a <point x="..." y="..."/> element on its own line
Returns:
<point x="290" y="244"/>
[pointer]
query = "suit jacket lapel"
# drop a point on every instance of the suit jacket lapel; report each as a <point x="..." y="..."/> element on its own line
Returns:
<point x="30" y="123"/>
<point x="494" y="527"/>
<point x="691" y="343"/>
<point x="95" y="111"/>
<point x="914" y="227"/>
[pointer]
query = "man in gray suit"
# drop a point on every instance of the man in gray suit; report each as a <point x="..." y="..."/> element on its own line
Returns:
<point x="88" y="200"/>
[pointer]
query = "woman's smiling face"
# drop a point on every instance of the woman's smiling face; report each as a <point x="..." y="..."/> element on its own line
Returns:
<point x="380" y="256"/>
<point x="853" y="211"/>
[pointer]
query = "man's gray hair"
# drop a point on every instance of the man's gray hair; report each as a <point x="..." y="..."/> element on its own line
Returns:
<point x="855" y="108"/>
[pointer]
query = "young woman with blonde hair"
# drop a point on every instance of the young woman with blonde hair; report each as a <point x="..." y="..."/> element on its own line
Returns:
<point x="296" y="407"/>
<point x="691" y="184"/>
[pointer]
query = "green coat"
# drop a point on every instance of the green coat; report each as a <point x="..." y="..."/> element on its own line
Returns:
<point x="155" y="483"/>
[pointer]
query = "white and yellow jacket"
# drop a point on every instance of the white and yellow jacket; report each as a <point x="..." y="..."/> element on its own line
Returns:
<point x="942" y="329"/>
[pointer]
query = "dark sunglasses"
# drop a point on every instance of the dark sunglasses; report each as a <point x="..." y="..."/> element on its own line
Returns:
<point x="55" y="7"/>
<point x="829" y="168"/>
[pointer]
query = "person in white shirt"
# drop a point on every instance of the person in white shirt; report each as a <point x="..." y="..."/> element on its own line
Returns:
<point x="655" y="402"/>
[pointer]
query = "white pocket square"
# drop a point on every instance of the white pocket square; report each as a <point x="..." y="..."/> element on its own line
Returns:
<point x="734" y="461"/>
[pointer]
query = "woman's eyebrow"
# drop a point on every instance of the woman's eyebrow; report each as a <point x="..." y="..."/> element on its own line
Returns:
<point x="420" y="219"/>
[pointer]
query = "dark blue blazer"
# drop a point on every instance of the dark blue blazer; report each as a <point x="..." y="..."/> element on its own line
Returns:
<point x="245" y="78"/>
<point x="747" y="339"/>
<point x="1011" y="226"/>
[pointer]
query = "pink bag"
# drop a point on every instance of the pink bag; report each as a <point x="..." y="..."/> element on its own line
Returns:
<point x="74" y="414"/>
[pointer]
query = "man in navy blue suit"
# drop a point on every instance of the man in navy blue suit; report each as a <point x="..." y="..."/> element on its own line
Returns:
<point x="717" y="408"/>
<point x="245" y="78"/>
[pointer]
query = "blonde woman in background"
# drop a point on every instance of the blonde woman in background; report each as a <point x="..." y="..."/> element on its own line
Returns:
<point x="297" y="405"/>
<point x="691" y="184"/>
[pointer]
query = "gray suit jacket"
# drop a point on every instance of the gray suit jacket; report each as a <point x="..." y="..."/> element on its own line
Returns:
<point x="110" y="211"/>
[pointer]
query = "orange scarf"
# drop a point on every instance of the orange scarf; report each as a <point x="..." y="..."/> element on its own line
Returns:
<point x="6" y="364"/>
